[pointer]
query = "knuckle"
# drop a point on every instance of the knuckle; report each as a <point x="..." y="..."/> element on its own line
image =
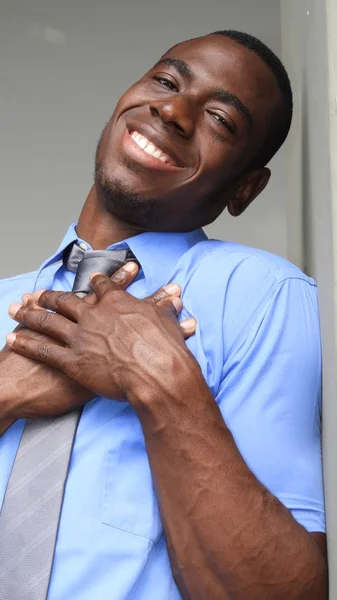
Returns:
<point x="89" y="300"/>
<point x="63" y="297"/>
<point x="44" y="320"/>
<point x="44" y="297"/>
<point x="99" y="280"/>
<point x="164" y="302"/>
<point x="43" y="351"/>
<point x="23" y="314"/>
<point x="74" y="367"/>
<point x="119" y="277"/>
<point x="21" y="342"/>
<point x="105" y="285"/>
<point x="159" y="296"/>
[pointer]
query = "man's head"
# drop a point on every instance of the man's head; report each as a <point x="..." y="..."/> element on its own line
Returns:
<point x="194" y="134"/>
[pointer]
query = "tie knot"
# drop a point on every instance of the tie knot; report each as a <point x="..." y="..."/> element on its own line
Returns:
<point x="84" y="262"/>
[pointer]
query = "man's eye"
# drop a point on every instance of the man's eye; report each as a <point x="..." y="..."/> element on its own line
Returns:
<point x="224" y="122"/>
<point x="166" y="83"/>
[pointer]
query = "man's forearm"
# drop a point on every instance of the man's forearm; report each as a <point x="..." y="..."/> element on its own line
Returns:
<point x="228" y="537"/>
<point x="30" y="389"/>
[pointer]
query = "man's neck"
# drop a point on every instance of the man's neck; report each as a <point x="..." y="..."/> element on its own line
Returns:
<point x="98" y="227"/>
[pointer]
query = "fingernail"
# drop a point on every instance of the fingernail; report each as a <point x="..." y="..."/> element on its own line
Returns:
<point x="189" y="325"/>
<point x="130" y="267"/>
<point x="10" y="338"/>
<point x="13" y="308"/>
<point x="172" y="288"/>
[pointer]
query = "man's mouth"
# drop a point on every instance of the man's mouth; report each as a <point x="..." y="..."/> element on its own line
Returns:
<point x="150" y="148"/>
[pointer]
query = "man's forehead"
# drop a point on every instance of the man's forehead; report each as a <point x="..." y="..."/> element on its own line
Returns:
<point x="204" y="46"/>
<point x="220" y="56"/>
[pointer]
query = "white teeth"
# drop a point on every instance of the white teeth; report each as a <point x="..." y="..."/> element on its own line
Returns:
<point x="142" y="142"/>
<point x="148" y="147"/>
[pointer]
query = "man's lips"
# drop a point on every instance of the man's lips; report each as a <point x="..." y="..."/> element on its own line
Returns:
<point x="146" y="145"/>
<point x="150" y="148"/>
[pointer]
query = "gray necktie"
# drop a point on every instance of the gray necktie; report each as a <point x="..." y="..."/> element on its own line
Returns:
<point x="33" y="501"/>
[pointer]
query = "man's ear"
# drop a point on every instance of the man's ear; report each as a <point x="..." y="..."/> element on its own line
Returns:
<point x="250" y="186"/>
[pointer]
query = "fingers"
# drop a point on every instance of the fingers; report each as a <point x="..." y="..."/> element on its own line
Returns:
<point x="42" y="321"/>
<point x="102" y="284"/>
<point x="40" y="350"/>
<point x="64" y="303"/>
<point x="173" y="303"/>
<point x="123" y="277"/>
<point x="169" y="296"/>
<point x="188" y="327"/>
<point x="32" y="297"/>
<point x="172" y="289"/>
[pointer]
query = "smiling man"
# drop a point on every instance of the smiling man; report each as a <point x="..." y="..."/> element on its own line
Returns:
<point x="195" y="464"/>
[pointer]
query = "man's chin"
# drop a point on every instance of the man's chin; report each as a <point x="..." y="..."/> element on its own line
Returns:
<point x="122" y="201"/>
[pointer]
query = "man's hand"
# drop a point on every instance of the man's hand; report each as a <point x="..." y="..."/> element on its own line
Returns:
<point x="31" y="388"/>
<point x="107" y="347"/>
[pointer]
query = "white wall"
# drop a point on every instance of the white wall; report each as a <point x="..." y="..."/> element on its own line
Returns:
<point x="310" y="52"/>
<point x="64" y="64"/>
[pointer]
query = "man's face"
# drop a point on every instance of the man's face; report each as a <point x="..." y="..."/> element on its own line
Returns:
<point x="173" y="153"/>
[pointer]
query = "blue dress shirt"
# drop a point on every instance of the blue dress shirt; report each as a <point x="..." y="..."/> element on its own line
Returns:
<point x="258" y="345"/>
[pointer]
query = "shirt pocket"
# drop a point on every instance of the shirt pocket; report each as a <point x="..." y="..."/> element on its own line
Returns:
<point x="129" y="499"/>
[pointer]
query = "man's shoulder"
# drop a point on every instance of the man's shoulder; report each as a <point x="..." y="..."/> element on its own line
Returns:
<point x="227" y="280"/>
<point x="212" y="261"/>
<point x="223" y="258"/>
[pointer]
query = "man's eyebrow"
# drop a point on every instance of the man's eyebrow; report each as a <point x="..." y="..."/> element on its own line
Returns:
<point x="233" y="100"/>
<point x="180" y="65"/>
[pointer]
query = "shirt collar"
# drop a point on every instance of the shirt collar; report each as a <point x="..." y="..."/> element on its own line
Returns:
<point x="158" y="253"/>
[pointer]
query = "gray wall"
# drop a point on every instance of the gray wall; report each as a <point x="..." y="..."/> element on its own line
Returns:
<point x="311" y="152"/>
<point x="64" y="65"/>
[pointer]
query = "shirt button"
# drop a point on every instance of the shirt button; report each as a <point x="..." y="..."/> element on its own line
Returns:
<point x="83" y="246"/>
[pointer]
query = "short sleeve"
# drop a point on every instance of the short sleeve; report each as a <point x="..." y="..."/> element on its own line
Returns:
<point x="270" y="398"/>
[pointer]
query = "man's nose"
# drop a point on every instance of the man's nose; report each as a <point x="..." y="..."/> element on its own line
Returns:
<point x="176" y="112"/>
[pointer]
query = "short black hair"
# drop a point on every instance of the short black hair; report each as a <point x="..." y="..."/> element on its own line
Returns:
<point x="282" y="116"/>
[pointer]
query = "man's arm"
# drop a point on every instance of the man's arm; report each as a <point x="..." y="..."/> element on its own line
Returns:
<point x="225" y="524"/>
<point x="228" y="536"/>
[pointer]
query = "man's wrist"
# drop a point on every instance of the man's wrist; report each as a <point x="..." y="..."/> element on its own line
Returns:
<point x="172" y="381"/>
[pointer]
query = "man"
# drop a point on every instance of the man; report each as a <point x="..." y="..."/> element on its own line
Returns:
<point x="204" y="480"/>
